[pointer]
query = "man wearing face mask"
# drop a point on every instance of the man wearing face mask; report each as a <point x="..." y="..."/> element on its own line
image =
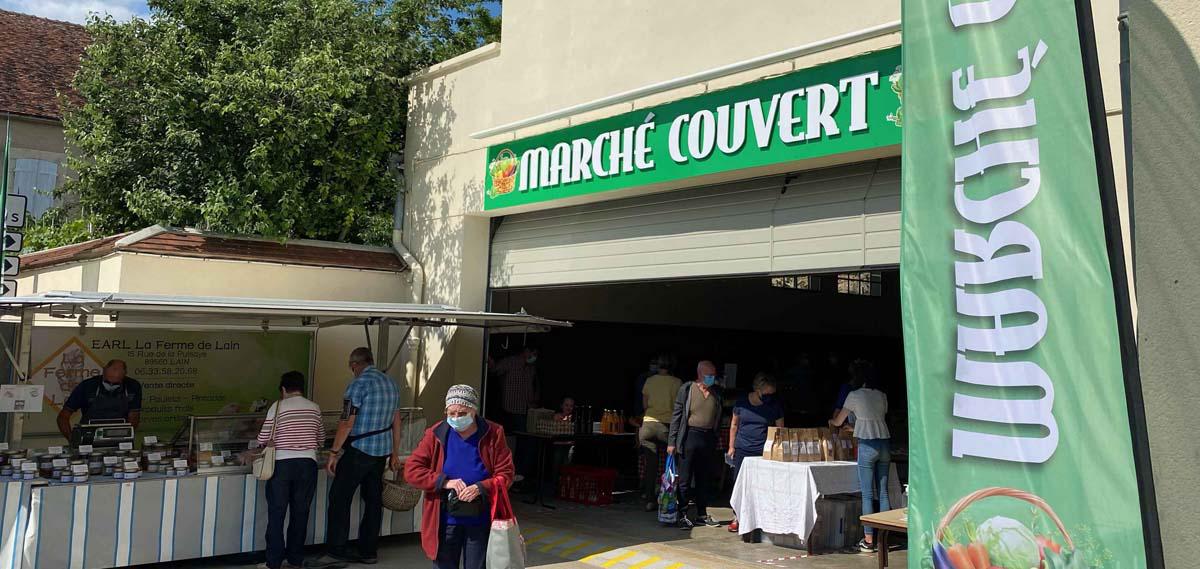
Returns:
<point x="110" y="395"/>
<point x="459" y="464"/>
<point x="693" y="441"/>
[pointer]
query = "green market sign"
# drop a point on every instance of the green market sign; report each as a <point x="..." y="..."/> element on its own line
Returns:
<point x="1020" y="442"/>
<point x="846" y="106"/>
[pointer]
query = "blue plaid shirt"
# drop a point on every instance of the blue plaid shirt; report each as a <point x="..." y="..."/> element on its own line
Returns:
<point x="377" y="398"/>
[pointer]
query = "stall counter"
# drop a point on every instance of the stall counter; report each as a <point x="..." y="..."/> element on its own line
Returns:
<point x="114" y="523"/>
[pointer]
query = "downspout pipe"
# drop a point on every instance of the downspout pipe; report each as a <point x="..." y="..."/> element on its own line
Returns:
<point x="416" y="273"/>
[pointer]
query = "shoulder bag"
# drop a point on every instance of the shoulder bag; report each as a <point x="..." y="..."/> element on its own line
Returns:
<point x="264" y="465"/>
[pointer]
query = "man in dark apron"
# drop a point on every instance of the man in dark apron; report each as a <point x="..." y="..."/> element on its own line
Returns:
<point x="110" y="395"/>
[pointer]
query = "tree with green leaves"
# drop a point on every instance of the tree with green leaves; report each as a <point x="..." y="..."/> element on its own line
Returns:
<point x="282" y="118"/>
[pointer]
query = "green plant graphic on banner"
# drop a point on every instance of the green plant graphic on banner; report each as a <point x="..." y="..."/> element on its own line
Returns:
<point x="1019" y="432"/>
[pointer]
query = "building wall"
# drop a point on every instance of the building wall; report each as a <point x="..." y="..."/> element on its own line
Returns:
<point x="1165" y="40"/>
<point x="40" y="140"/>
<point x="152" y="274"/>
<point x="554" y="54"/>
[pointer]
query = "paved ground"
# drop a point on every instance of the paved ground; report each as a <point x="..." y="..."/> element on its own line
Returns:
<point x="616" y="537"/>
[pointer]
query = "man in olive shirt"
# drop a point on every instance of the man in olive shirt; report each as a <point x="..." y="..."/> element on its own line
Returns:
<point x="658" y="399"/>
<point x="693" y="441"/>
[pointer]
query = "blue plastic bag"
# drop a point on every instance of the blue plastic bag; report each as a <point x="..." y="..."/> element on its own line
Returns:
<point x="668" y="496"/>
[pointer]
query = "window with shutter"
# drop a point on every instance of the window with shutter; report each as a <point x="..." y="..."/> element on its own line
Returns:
<point x="36" y="180"/>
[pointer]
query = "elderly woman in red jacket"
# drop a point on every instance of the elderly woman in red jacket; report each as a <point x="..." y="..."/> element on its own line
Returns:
<point x="459" y="464"/>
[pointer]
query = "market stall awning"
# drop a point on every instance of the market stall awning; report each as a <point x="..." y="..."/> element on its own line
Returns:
<point x="125" y="308"/>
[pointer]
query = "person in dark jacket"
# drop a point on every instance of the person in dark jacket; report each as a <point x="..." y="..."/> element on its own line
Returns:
<point x="459" y="464"/>
<point x="693" y="441"/>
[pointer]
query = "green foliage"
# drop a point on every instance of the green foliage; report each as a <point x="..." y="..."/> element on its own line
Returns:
<point x="55" y="228"/>
<point x="269" y="117"/>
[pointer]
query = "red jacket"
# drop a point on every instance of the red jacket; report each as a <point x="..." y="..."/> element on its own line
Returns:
<point x="423" y="470"/>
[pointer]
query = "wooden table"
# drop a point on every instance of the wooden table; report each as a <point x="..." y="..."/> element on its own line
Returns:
<point x="885" y="523"/>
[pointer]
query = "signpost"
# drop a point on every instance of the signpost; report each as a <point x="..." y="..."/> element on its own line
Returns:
<point x="13" y="241"/>
<point x="14" y="218"/>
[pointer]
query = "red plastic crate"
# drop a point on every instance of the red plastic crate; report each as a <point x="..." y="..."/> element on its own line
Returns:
<point x="587" y="485"/>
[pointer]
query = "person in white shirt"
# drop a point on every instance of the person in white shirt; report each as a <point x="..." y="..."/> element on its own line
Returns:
<point x="297" y="438"/>
<point x="868" y="406"/>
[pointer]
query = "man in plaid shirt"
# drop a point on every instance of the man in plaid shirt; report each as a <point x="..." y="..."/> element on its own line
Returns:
<point x="518" y="378"/>
<point x="368" y="433"/>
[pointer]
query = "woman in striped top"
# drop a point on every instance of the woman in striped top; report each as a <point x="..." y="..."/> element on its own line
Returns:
<point x="298" y="437"/>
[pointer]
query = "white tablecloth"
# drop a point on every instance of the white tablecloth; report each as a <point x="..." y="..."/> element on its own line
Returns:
<point x="781" y="497"/>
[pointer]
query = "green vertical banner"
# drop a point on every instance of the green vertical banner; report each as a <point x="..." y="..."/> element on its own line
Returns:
<point x="1019" y="431"/>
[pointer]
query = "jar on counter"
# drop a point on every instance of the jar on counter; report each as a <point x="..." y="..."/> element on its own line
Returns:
<point x="118" y="473"/>
<point x="45" y="466"/>
<point x="28" y="475"/>
<point x="95" y="464"/>
<point x="81" y="478"/>
<point x="67" y="478"/>
<point x="109" y="470"/>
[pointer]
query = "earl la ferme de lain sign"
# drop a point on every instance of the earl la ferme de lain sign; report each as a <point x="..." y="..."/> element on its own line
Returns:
<point x="846" y="106"/>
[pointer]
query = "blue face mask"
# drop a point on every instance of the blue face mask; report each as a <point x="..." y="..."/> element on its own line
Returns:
<point x="710" y="380"/>
<point x="460" y="423"/>
<point x="766" y="397"/>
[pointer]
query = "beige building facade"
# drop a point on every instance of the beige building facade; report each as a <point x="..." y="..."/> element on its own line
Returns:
<point x="561" y="64"/>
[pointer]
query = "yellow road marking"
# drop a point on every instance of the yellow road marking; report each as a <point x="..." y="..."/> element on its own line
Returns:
<point x="592" y="557"/>
<point x="674" y="566"/>
<point x="575" y="548"/>
<point x="538" y="537"/>
<point x="556" y="543"/>
<point x="646" y="563"/>
<point x="618" y="559"/>
<point x="531" y="533"/>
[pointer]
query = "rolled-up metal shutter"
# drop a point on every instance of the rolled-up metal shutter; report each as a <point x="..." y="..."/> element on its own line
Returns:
<point x="835" y="218"/>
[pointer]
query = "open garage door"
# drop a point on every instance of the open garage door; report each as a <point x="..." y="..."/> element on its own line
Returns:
<point x="836" y="218"/>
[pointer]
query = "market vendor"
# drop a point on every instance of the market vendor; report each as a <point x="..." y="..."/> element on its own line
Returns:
<point x="110" y="395"/>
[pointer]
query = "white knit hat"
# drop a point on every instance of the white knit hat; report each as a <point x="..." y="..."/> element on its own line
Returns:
<point x="464" y="395"/>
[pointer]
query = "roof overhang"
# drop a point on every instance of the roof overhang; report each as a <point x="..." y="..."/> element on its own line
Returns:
<point x="133" y="309"/>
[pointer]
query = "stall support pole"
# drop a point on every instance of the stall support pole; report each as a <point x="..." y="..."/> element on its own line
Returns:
<point x="25" y="355"/>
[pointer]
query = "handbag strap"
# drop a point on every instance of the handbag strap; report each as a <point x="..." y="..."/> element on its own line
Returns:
<point x="500" y="497"/>
<point x="274" y="424"/>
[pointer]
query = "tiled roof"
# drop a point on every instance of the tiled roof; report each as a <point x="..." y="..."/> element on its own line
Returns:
<point x="190" y="243"/>
<point x="38" y="60"/>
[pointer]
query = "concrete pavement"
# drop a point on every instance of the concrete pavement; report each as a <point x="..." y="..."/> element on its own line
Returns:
<point x="620" y="536"/>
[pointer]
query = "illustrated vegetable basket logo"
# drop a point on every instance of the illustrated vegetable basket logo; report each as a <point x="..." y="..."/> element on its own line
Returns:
<point x="503" y="171"/>
<point x="1002" y="542"/>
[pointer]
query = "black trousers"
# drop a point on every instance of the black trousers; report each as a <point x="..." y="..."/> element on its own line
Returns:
<point x="697" y="470"/>
<point x="291" y="490"/>
<point x="356" y="470"/>
<point x="462" y="547"/>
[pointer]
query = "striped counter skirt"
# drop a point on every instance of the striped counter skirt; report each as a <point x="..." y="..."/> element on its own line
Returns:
<point x="153" y="519"/>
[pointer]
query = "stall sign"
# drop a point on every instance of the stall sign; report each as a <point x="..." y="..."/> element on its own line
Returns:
<point x="23" y="398"/>
<point x="1018" y="424"/>
<point x="846" y="106"/>
<point x="182" y="372"/>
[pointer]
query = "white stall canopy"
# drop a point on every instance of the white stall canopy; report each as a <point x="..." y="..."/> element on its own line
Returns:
<point x="99" y="308"/>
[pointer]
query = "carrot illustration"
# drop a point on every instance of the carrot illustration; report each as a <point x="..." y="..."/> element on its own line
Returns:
<point x="959" y="558"/>
<point x="978" y="554"/>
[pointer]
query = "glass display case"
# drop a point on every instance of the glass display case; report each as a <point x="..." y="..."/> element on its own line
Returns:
<point x="215" y="443"/>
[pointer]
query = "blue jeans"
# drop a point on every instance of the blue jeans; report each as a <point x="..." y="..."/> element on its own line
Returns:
<point x="291" y="488"/>
<point x="462" y="547"/>
<point x="874" y="465"/>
